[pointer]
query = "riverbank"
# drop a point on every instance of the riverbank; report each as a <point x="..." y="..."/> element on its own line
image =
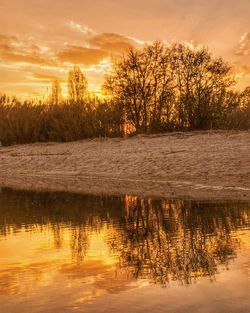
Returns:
<point x="199" y="165"/>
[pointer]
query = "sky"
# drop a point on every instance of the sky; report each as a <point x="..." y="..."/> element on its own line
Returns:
<point x="42" y="40"/>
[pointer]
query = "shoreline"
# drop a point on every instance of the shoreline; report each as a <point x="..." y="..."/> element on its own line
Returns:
<point x="101" y="186"/>
<point x="209" y="165"/>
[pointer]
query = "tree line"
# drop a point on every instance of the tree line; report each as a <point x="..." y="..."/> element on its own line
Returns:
<point x="157" y="88"/>
<point x="176" y="88"/>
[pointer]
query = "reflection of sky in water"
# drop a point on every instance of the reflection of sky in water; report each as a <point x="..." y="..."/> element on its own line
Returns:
<point x="71" y="252"/>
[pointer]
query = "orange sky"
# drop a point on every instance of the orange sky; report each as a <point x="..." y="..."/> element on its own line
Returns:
<point x="41" y="40"/>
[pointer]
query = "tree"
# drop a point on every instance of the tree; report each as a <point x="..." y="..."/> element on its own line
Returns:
<point x="161" y="87"/>
<point x="246" y="97"/>
<point x="109" y="118"/>
<point x="239" y="116"/>
<point x="201" y="86"/>
<point x="56" y="92"/>
<point x="141" y="82"/>
<point x="77" y="85"/>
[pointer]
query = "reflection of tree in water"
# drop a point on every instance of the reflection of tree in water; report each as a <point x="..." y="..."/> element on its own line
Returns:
<point x="80" y="236"/>
<point x="80" y="215"/>
<point x="79" y="243"/>
<point x="176" y="240"/>
<point x="153" y="239"/>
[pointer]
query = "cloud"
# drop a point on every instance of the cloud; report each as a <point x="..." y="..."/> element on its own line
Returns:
<point x="137" y="41"/>
<point x="113" y="43"/>
<point x="194" y="45"/>
<point x="24" y="58"/>
<point x="15" y="50"/>
<point x="10" y="75"/>
<point x="44" y="77"/>
<point x="244" y="48"/>
<point x="80" y="55"/>
<point x="6" y="42"/>
<point x="81" y="28"/>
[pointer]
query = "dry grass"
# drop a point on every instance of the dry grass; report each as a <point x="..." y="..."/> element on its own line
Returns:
<point x="34" y="121"/>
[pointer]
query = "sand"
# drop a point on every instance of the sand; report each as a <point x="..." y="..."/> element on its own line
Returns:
<point x="197" y="165"/>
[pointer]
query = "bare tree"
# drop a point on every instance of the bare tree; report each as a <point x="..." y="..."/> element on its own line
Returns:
<point x="201" y="86"/>
<point x="77" y="85"/>
<point x="142" y="84"/>
<point x="159" y="86"/>
<point x="56" y="92"/>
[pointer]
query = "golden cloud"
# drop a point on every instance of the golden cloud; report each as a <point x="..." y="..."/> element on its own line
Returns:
<point x="81" y="28"/>
<point x="6" y="43"/>
<point x="80" y="55"/>
<point x="244" y="48"/>
<point x="112" y="42"/>
<point x="14" y="50"/>
<point x="23" y="50"/>
<point x="22" y="58"/>
<point x="44" y="77"/>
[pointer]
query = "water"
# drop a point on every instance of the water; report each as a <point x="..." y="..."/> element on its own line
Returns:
<point x="62" y="252"/>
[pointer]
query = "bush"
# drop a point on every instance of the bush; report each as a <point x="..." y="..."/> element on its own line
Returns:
<point x="32" y="121"/>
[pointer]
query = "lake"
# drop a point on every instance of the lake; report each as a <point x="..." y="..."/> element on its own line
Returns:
<point x="62" y="252"/>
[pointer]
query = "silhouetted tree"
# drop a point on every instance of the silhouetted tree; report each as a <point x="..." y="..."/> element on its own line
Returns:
<point x="142" y="84"/>
<point x="77" y="85"/>
<point x="109" y="116"/>
<point x="159" y="86"/>
<point x="239" y="115"/>
<point x="152" y="89"/>
<point x="201" y="86"/>
<point x="56" y="92"/>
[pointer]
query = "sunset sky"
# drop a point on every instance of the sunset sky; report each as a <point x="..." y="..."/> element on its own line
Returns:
<point x="42" y="40"/>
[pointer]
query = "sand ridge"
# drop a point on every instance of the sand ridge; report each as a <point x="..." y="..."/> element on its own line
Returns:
<point x="204" y="164"/>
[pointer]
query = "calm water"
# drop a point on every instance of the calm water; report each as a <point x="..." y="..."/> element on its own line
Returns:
<point x="62" y="252"/>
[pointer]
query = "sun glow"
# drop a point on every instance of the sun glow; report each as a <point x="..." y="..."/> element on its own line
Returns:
<point x="62" y="38"/>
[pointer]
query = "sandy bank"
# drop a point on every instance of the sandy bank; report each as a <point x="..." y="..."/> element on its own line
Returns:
<point x="201" y="165"/>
